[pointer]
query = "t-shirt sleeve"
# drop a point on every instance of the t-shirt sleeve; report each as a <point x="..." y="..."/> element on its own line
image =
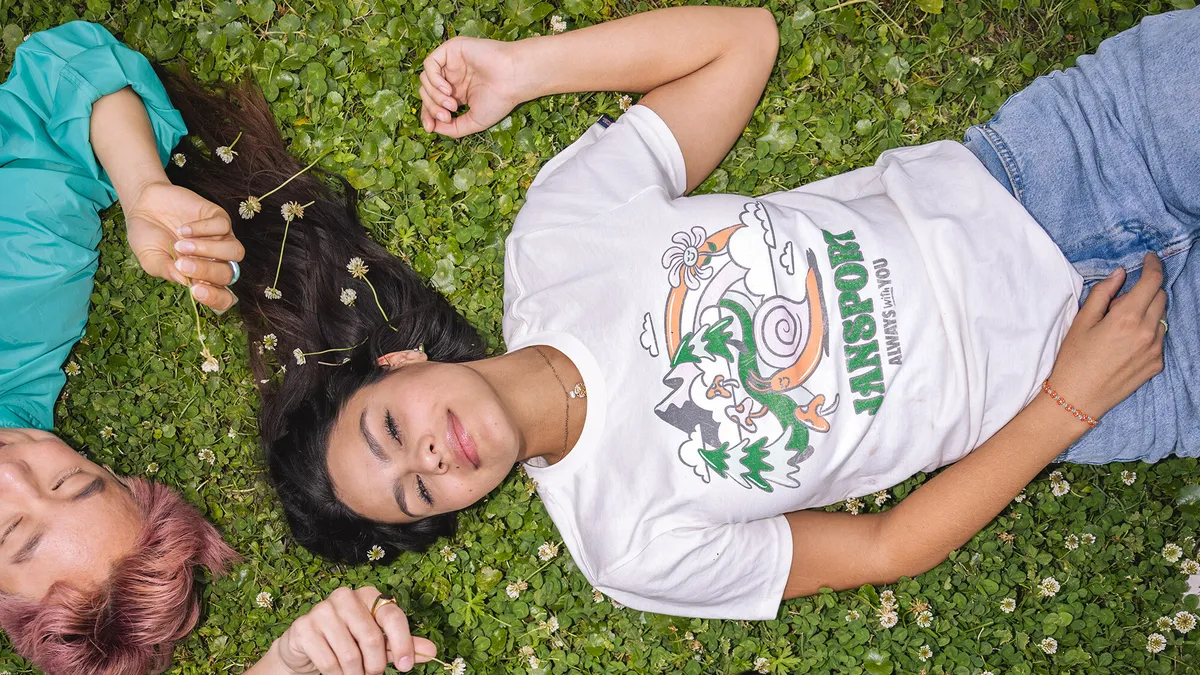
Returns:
<point x="731" y="571"/>
<point x="52" y="188"/>
<point x="609" y="165"/>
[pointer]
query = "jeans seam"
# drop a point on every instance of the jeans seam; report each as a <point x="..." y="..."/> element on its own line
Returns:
<point x="1007" y="159"/>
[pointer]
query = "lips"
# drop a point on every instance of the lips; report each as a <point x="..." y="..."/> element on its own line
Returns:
<point x="460" y="441"/>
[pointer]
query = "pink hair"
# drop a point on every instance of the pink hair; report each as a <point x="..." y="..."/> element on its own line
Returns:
<point x="151" y="600"/>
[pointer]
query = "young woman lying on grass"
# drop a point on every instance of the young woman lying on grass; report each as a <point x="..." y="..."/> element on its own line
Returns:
<point x="98" y="573"/>
<point x="687" y="377"/>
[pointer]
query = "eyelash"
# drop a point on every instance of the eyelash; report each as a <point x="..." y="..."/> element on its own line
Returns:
<point x="392" y="429"/>
<point x="62" y="480"/>
<point x="423" y="492"/>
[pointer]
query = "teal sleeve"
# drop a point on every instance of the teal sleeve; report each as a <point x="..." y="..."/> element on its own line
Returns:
<point x="52" y="189"/>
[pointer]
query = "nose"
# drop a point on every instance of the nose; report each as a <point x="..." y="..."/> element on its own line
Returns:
<point x="17" y="480"/>
<point x="429" y="457"/>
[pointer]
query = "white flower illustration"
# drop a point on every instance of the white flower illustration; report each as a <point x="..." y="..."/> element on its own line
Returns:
<point x="685" y="257"/>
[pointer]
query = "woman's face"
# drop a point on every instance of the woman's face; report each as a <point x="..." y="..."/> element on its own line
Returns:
<point x="62" y="518"/>
<point x="430" y="438"/>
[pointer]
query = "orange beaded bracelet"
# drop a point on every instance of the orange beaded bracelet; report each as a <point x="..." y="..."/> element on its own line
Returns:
<point x="1076" y="412"/>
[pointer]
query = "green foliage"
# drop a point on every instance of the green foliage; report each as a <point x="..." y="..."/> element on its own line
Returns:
<point x="854" y="78"/>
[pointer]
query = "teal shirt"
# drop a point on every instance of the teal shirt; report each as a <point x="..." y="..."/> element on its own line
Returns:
<point x="52" y="190"/>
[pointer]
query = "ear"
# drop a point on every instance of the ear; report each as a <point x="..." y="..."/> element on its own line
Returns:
<point x="396" y="360"/>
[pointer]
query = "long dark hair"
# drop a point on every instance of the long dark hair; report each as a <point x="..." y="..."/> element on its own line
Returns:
<point x="299" y="409"/>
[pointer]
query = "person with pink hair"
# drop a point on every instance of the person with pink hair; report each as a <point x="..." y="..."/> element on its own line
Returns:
<point x="98" y="574"/>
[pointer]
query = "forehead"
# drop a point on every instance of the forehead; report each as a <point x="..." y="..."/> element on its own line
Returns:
<point x="81" y="544"/>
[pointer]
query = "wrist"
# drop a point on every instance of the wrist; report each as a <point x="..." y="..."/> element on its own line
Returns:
<point x="531" y="78"/>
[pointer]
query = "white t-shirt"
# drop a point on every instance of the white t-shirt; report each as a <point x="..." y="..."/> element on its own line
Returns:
<point x="745" y="358"/>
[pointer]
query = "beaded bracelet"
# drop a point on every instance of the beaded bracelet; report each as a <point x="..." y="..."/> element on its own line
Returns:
<point x="1076" y="412"/>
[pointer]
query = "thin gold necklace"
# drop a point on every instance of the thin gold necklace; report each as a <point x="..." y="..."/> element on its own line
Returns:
<point x="578" y="391"/>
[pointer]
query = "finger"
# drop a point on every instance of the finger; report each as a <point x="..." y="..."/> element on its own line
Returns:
<point x="1158" y="306"/>
<point x="1150" y="283"/>
<point x="457" y="127"/>
<point x="1100" y="297"/>
<point x="399" y="638"/>
<point x="350" y="660"/>
<point x="317" y="649"/>
<point x="425" y="649"/>
<point x="216" y="226"/>
<point x="365" y="630"/>
<point x="435" y="110"/>
<point x="217" y="298"/>
<point x="216" y="272"/>
<point x="437" y="96"/>
<point x="159" y="264"/>
<point x="224" y="248"/>
<point x="433" y="66"/>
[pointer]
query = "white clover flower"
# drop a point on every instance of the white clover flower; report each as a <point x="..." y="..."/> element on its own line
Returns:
<point x="231" y="433"/>
<point x="888" y="598"/>
<point x="1049" y="587"/>
<point x="1172" y="553"/>
<point x="986" y="672"/>
<point x="1155" y="643"/>
<point x="456" y="667"/>
<point x="525" y="651"/>
<point x="269" y="342"/>
<point x="615" y="603"/>
<point x="1088" y="538"/>
<point x="1020" y="498"/>
<point x="357" y="268"/>
<point x="1071" y="542"/>
<point x="552" y="624"/>
<point x="881" y="497"/>
<point x="514" y="589"/>
<point x="1184" y="622"/>
<point x="273" y="293"/>
<point x="375" y="553"/>
<point x="1164" y="623"/>
<point x="854" y="505"/>
<point x="152" y="468"/>
<point x="299" y="356"/>
<point x="557" y="24"/>
<point x="349" y="295"/>
<point x="1049" y="645"/>
<point x="211" y="364"/>
<point x="1008" y="605"/>
<point x="449" y="554"/>
<point x="925" y="619"/>
<point x="291" y="210"/>
<point x="107" y="433"/>
<point x="888" y="619"/>
<point x="263" y="600"/>
<point x="248" y="208"/>
<point x="1060" y="488"/>
<point x="547" y="551"/>
<point x="852" y="616"/>
<point x="1189" y="567"/>
<point x="1056" y="476"/>
<point x="206" y="455"/>
<point x="924" y="653"/>
<point x="226" y="154"/>
<point x="534" y="663"/>
<point x="597" y="596"/>
<point x="625" y="102"/>
<point x="179" y="159"/>
<point x="1128" y="477"/>
<point x="762" y="665"/>
<point x="72" y="368"/>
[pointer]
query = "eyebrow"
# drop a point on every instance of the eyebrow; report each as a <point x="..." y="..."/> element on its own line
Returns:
<point x="94" y="488"/>
<point x="377" y="450"/>
<point x="26" y="553"/>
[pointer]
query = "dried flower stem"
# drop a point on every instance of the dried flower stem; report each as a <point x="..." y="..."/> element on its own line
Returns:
<point x="283" y="244"/>
<point x="235" y="140"/>
<point x="379" y="305"/>
<point x="294" y="177"/>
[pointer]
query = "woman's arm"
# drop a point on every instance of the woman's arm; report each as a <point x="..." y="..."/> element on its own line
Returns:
<point x="156" y="212"/>
<point x="704" y="69"/>
<point x="1113" y="347"/>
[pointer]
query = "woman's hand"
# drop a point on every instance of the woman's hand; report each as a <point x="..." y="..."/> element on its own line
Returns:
<point x="468" y="71"/>
<point x="178" y="235"/>
<point x="1115" y="345"/>
<point x="339" y="637"/>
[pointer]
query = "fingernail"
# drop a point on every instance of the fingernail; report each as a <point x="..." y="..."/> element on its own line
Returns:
<point x="445" y="89"/>
<point x="185" y="246"/>
<point x="406" y="663"/>
<point x="199" y="292"/>
<point x="185" y="231"/>
<point x="450" y="105"/>
<point x="444" y="116"/>
<point x="185" y="266"/>
<point x="1114" y="273"/>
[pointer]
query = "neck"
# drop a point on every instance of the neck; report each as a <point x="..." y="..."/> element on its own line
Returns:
<point x="534" y="398"/>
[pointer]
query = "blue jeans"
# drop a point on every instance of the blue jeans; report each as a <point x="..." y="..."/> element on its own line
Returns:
<point x="1106" y="156"/>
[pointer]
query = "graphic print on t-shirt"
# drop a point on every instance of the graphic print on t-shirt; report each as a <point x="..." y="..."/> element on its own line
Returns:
<point x="745" y="328"/>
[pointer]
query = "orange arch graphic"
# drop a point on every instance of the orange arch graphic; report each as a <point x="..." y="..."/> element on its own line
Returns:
<point x="674" y="322"/>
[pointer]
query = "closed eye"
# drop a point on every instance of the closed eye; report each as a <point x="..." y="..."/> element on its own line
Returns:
<point x="390" y="423"/>
<point x="62" y="479"/>
<point x="424" y="492"/>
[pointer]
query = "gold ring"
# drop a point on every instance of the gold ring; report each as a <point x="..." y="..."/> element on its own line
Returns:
<point x="383" y="599"/>
<point x="1165" y="326"/>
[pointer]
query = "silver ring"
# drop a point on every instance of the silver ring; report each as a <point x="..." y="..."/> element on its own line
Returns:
<point x="1165" y="326"/>
<point x="237" y="272"/>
